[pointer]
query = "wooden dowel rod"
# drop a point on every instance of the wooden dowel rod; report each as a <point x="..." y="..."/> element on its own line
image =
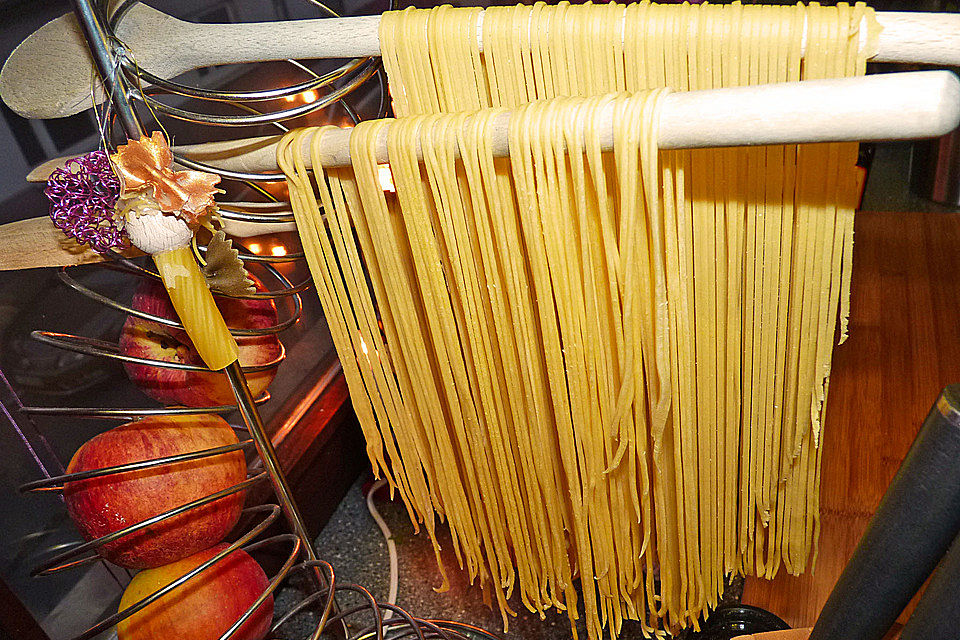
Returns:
<point x="927" y="38"/>
<point x="924" y="38"/>
<point x="896" y="106"/>
<point x="880" y="107"/>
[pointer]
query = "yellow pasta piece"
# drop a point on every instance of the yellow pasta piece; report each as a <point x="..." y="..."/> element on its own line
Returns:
<point x="608" y="367"/>
<point x="195" y="306"/>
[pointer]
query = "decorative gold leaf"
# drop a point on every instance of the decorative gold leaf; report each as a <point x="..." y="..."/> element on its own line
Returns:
<point x="224" y="269"/>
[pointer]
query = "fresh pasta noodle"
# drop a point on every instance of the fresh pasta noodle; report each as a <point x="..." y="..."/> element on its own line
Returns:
<point x="604" y="367"/>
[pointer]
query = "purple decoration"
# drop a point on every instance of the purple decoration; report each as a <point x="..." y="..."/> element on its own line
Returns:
<point x="82" y="195"/>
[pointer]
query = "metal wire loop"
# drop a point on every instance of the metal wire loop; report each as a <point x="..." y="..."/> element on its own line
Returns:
<point x="137" y="74"/>
<point x="327" y="591"/>
<point x="103" y="349"/>
<point x="274" y="582"/>
<point x="134" y="72"/>
<point x="134" y="412"/>
<point x="227" y="173"/>
<point x="246" y="256"/>
<point x="167" y="322"/>
<point x="66" y="560"/>
<point x="121" y="263"/>
<point x="416" y="627"/>
<point x="56" y="483"/>
<point x="230" y="211"/>
<point x="103" y="625"/>
<point x="361" y="75"/>
<point x="364" y="73"/>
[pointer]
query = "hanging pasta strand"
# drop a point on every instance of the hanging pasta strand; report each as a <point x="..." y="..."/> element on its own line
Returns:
<point x="598" y="368"/>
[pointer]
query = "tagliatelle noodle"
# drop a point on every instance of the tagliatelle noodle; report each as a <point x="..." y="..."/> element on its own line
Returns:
<point x="437" y="374"/>
<point x="604" y="366"/>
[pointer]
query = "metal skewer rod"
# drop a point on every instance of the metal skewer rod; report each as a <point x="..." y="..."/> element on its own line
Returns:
<point x="92" y="23"/>
<point x="268" y="455"/>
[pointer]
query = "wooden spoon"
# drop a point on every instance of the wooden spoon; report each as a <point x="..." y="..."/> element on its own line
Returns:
<point x="246" y="154"/>
<point x="51" y="74"/>
<point x="32" y="243"/>
<point x="27" y="244"/>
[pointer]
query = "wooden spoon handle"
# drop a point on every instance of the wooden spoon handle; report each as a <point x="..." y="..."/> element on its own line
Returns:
<point x="50" y="74"/>
<point x="211" y="44"/>
<point x="27" y="244"/>
<point x="245" y="154"/>
<point x="33" y="243"/>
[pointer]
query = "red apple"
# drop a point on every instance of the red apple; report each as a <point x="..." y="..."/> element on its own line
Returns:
<point x="99" y="506"/>
<point x="203" y="607"/>
<point x="145" y="339"/>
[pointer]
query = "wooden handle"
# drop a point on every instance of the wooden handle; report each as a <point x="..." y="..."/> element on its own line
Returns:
<point x="926" y="38"/>
<point x="354" y="37"/>
<point x="232" y="153"/>
<point x="891" y="106"/>
<point x="42" y="171"/>
<point x="34" y="243"/>
<point x="920" y="38"/>
<point x="27" y="244"/>
<point x="881" y="107"/>
<point x="50" y="74"/>
<point x="894" y="106"/>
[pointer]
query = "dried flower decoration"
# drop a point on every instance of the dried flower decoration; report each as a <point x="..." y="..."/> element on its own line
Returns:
<point x="82" y="195"/>
<point x="147" y="164"/>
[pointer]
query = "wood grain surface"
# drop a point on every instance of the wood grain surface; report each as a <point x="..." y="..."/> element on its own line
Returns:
<point x="904" y="347"/>
<point x="35" y="242"/>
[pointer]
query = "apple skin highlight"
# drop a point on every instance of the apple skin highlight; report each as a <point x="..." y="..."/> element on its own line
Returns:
<point x="145" y="339"/>
<point x="204" y="607"/>
<point x="99" y="506"/>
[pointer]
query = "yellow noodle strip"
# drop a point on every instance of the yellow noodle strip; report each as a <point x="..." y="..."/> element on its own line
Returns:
<point x="585" y="387"/>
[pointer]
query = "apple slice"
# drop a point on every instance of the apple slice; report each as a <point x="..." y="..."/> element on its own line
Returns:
<point x="204" y="607"/>
<point x="145" y="339"/>
<point x="102" y="505"/>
